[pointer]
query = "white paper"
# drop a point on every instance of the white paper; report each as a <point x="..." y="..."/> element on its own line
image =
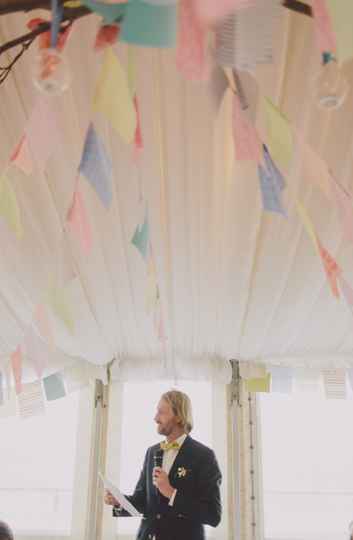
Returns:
<point x="119" y="496"/>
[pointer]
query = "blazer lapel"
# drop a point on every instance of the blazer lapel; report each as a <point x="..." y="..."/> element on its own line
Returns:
<point x="182" y="457"/>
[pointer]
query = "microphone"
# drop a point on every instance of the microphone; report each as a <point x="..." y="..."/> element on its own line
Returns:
<point x="158" y="462"/>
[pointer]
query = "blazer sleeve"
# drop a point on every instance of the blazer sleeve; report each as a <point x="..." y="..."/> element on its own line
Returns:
<point x="205" y="506"/>
<point x="139" y="496"/>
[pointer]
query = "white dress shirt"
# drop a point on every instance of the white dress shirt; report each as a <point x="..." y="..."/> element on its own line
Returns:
<point x="169" y="458"/>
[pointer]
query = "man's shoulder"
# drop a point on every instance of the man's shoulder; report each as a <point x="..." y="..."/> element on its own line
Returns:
<point x="201" y="449"/>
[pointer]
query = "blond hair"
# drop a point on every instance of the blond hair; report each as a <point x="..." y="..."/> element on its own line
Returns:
<point x="181" y="406"/>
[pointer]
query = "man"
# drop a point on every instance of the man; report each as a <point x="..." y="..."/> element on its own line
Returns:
<point x="5" y="532"/>
<point x="183" y="495"/>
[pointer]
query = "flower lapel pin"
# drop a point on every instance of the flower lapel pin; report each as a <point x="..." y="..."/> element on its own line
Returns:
<point x="181" y="472"/>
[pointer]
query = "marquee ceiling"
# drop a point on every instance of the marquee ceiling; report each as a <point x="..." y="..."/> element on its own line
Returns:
<point x="234" y="281"/>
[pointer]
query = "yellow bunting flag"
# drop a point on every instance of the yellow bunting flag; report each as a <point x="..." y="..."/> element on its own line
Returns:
<point x="60" y="304"/>
<point x="280" y="137"/>
<point x="113" y="99"/>
<point x="9" y="208"/>
<point x="258" y="385"/>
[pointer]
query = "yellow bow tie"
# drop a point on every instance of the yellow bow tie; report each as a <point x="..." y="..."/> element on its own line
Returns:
<point x="170" y="445"/>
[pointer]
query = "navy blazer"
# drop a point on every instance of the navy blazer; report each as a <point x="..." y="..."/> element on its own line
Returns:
<point x="196" y="476"/>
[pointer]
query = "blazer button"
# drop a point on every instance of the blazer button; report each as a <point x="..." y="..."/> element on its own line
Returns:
<point x="158" y="516"/>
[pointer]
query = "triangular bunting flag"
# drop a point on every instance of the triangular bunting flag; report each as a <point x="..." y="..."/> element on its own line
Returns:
<point x="96" y="166"/>
<point x="141" y="238"/>
<point x="21" y="156"/>
<point x="247" y="142"/>
<point x="59" y="302"/>
<point x="112" y="97"/>
<point x="191" y="54"/>
<point x="331" y="268"/>
<point x="280" y="136"/>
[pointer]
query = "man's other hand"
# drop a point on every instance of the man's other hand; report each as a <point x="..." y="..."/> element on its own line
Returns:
<point x="109" y="499"/>
<point x="161" y="480"/>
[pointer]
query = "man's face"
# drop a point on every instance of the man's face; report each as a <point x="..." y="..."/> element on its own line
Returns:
<point x="165" y="418"/>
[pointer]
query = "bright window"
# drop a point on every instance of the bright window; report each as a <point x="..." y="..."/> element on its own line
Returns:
<point x="307" y="456"/>
<point x="139" y="430"/>
<point x="37" y="457"/>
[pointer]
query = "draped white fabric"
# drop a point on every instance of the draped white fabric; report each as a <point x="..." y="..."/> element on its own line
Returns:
<point x="235" y="282"/>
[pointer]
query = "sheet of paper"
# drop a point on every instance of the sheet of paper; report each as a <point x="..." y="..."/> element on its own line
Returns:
<point x="119" y="496"/>
<point x="335" y="383"/>
<point x="341" y="14"/>
<point x="31" y="401"/>
<point x="96" y="166"/>
<point x="325" y="36"/>
<point x="280" y="138"/>
<point x="77" y="219"/>
<point x="150" y="25"/>
<point x="113" y="99"/>
<point x="9" y="208"/>
<point x="54" y="386"/>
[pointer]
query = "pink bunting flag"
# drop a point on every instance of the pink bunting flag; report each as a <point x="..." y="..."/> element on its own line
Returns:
<point x="325" y="36"/>
<point x="332" y="269"/>
<point x="344" y="206"/>
<point x="21" y="156"/>
<point x="248" y="146"/>
<point x="42" y="132"/>
<point x="78" y="221"/>
<point x="138" y="140"/>
<point x="16" y="363"/>
<point x="191" y="54"/>
<point x="43" y="324"/>
<point x="211" y="10"/>
<point x="106" y="36"/>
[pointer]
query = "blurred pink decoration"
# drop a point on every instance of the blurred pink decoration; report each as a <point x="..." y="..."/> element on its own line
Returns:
<point x="138" y="140"/>
<point x="78" y="221"/>
<point x="248" y="146"/>
<point x="213" y="10"/>
<point x="21" y="156"/>
<point x="191" y="54"/>
<point x="16" y="363"/>
<point x="325" y="36"/>
<point x="107" y="35"/>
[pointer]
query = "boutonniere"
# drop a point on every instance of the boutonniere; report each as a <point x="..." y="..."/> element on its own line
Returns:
<point x="181" y="472"/>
